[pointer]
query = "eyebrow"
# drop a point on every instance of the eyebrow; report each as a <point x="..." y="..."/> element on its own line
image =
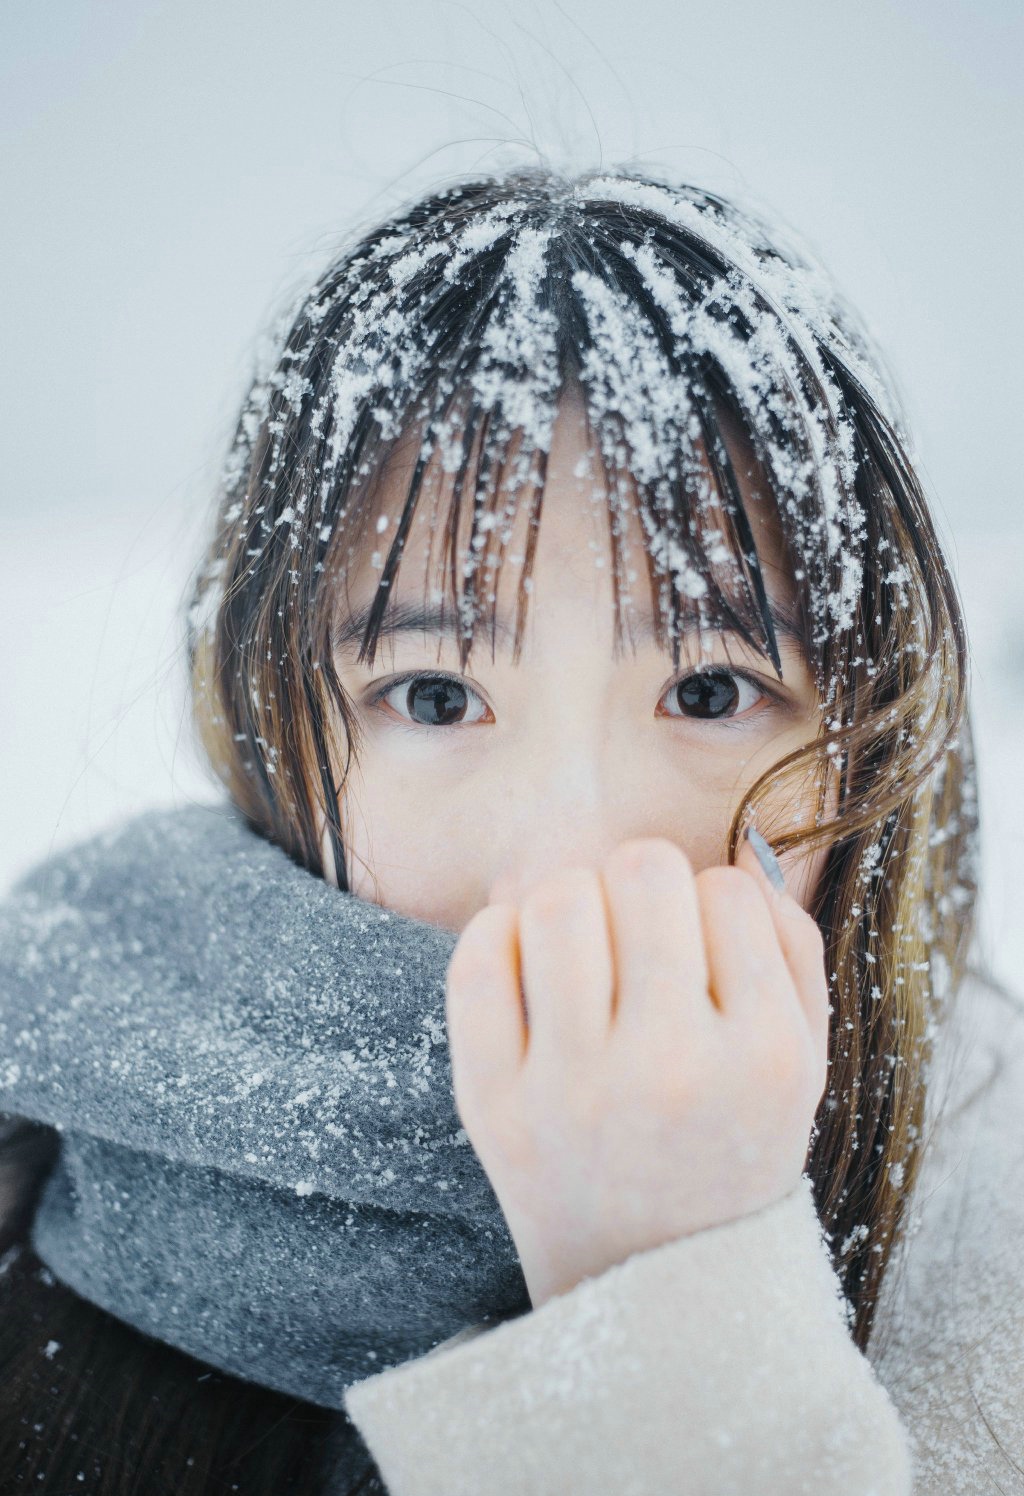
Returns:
<point x="433" y="619"/>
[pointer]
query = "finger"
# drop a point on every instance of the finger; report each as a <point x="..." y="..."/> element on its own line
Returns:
<point x="483" y="1004"/>
<point x="747" y="973"/>
<point x="658" y="944"/>
<point x="802" y="945"/>
<point x="566" y="963"/>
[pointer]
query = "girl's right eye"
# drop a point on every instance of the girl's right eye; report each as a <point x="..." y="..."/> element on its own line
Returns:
<point x="434" y="700"/>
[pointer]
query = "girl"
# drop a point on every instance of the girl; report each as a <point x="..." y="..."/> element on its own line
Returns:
<point x="706" y="1103"/>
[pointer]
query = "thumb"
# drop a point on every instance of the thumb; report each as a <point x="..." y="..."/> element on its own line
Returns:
<point x="798" y="934"/>
<point x="758" y="858"/>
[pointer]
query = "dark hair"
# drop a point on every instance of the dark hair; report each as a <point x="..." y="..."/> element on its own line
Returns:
<point x="458" y="324"/>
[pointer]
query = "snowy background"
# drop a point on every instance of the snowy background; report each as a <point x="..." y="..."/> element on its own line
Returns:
<point x="169" y="172"/>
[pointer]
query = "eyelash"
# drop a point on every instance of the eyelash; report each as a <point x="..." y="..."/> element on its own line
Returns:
<point x="730" y="723"/>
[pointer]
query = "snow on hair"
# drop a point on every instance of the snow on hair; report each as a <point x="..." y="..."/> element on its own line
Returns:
<point x="670" y="300"/>
<point x="451" y="329"/>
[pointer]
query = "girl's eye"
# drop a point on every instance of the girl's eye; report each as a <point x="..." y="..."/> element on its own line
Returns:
<point x="439" y="700"/>
<point x="714" y="693"/>
<point x="430" y="700"/>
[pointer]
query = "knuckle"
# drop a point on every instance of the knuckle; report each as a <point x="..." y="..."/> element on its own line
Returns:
<point x="647" y="855"/>
<point x="661" y="986"/>
<point x="729" y="885"/>
<point x="558" y="895"/>
<point x="475" y="952"/>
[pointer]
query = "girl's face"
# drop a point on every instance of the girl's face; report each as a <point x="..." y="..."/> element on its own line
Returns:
<point x="554" y="760"/>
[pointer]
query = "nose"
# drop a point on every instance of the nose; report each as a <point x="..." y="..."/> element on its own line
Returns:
<point x="577" y="830"/>
<point x="564" y="812"/>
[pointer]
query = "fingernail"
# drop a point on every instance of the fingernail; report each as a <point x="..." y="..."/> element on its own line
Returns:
<point x="767" y="858"/>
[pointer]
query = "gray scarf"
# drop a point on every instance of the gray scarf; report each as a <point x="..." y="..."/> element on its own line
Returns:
<point x="261" y="1161"/>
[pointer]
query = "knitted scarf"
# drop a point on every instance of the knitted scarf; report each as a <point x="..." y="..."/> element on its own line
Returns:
<point x="261" y="1161"/>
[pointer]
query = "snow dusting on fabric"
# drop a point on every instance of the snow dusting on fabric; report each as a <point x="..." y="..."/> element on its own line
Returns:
<point x="261" y="1162"/>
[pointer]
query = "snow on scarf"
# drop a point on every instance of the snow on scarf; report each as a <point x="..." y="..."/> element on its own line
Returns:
<point x="261" y="1161"/>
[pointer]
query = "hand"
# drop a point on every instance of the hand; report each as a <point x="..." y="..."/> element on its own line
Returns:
<point x="665" y="1075"/>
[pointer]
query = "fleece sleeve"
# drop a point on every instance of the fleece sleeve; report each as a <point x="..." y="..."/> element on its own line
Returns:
<point x="714" y="1364"/>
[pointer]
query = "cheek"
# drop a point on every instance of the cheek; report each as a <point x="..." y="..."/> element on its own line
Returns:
<point x="410" y="850"/>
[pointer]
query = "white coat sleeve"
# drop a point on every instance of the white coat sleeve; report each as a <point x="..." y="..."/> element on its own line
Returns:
<point x="714" y="1364"/>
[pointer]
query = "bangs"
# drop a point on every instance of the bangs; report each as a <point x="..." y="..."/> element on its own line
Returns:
<point x="457" y="329"/>
<point x="698" y="543"/>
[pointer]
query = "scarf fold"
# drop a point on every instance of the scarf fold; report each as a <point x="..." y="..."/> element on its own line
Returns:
<point x="261" y="1160"/>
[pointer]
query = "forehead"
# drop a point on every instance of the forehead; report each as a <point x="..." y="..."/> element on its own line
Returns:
<point x="573" y="540"/>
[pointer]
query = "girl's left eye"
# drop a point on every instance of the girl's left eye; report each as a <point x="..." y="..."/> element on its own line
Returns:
<point x="715" y="693"/>
<point x="442" y="699"/>
<point x="712" y="694"/>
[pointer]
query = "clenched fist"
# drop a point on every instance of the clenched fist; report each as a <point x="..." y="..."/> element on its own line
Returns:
<point x="638" y="1053"/>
